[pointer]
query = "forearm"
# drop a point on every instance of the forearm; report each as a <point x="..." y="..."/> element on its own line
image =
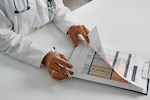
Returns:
<point x="63" y="18"/>
<point x="21" y="49"/>
<point x="18" y="47"/>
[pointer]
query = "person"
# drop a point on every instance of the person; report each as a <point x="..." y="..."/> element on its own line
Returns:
<point x="22" y="17"/>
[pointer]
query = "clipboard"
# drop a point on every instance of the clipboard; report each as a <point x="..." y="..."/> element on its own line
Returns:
<point x="146" y="70"/>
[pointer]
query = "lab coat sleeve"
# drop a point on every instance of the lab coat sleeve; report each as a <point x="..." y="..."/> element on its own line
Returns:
<point x="63" y="18"/>
<point x="16" y="46"/>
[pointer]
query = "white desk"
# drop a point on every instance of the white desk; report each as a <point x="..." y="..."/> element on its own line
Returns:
<point x="123" y="25"/>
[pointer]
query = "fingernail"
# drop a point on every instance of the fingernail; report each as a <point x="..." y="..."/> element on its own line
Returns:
<point x="75" y="45"/>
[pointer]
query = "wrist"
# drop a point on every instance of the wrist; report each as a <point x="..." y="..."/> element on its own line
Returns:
<point x="70" y="28"/>
<point x="45" y="59"/>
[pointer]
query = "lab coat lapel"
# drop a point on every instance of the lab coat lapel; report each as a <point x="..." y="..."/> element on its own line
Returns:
<point x="27" y="18"/>
<point x="22" y="21"/>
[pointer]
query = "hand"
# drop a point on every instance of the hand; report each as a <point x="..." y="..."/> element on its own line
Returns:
<point x="78" y="29"/>
<point x="55" y="63"/>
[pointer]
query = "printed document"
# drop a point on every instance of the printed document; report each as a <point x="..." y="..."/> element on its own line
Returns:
<point x="93" y="62"/>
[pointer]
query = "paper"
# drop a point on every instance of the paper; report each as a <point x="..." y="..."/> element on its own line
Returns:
<point x="91" y="59"/>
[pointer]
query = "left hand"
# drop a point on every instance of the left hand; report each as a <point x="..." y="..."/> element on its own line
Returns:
<point x="78" y="29"/>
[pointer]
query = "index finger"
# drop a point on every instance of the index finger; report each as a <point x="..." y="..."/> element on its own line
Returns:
<point x="83" y="33"/>
<point x="85" y="29"/>
<point x="63" y="62"/>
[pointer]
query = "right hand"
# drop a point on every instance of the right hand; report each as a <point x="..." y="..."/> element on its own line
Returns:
<point x="55" y="65"/>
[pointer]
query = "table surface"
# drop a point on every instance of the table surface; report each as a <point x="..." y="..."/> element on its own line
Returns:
<point x="122" y="24"/>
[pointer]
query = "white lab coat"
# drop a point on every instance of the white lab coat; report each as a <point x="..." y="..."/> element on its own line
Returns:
<point x="13" y="27"/>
